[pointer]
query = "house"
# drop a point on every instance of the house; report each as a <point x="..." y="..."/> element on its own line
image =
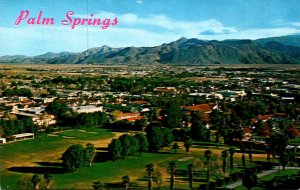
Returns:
<point x="87" y="109"/>
<point x="132" y="117"/>
<point x="140" y="102"/>
<point x="2" y="140"/>
<point x="38" y="115"/>
<point x="204" y="109"/>
<point x="23" y="136"/>
<point x="166" y="90"/>
<point x="232" y="93"/>
<point x="247" y="133"/>
<point x="263" y="118"/>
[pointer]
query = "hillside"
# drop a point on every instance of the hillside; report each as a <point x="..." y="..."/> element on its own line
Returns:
<point x="279" y="50"/>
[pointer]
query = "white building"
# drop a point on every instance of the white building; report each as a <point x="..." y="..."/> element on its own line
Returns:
<point x="2" y="140"/>
<point x="88" y="109"/>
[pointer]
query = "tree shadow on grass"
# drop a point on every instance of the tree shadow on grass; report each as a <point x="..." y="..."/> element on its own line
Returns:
<point x="114" y="185"/>
<point x="102" y="157"/>
<point x="102" y="148"/>
<point x="163" y="153"/>
<point x="50" y="164"/>
<point x="38" y="170"/>
<point x="120" y="186"/>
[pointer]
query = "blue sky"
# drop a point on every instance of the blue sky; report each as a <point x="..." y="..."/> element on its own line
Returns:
<point x="142" y="22"/>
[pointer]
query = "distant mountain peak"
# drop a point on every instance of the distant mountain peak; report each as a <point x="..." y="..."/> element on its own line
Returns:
<point x="277" y="50"/>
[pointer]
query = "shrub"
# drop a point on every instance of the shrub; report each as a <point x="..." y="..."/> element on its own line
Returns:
<point x="234" y="176"/>
<point x="220" y="181"/>
<point x="228" y="179"/>
<point x="203" y="187"/>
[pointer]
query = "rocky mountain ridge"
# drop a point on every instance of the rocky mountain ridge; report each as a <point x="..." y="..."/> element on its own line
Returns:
<point x="278" y="50"/>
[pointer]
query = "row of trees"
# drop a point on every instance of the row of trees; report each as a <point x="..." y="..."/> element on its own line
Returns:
<point x="68" y="117"/>
<point x="17" y="92"/>
<point x="77" y="156"/>
<point x="16" y="126"/>
<point x="158" y="137"/>
<point x="127" y="145"/>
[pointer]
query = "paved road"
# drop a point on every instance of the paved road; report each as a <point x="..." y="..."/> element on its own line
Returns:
<point x="239" y="183"/>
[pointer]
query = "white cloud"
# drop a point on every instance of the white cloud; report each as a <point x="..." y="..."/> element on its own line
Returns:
<point x="132" y="30"/>
<point x="162" y="22"/>
<point x="139" y="1"/>
<point x="253" y="33"/>
<point x="296" y="24"/>
<point x="39" y="40"/>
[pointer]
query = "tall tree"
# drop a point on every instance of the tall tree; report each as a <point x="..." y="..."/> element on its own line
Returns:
<point x="73" y="157"/>
<point x="243" y="160"/>
<point x="198" y="131"/>
<point x="89" y="154"/>
<point x="278" y="143"/>
<point x="190" y="169"/>
<point x="155" y="137"/>
<point x="218" y="121"/>
<point x="167" y="137"/>
<point x="173" y="115"/>
<point x="224" y="156"/>
<point x="250" y="154"/>
<point x="126" y="145"/>
<point x="102" y="119"/>
<point x="231" y="153"/>
<point x="207" y="155"/>
<point x="59" y="108"/>
<point x="115" y="149"/>
<point x="143" y="142"/>
<point x="172" y="169"/>
<point x="150" y="172"/>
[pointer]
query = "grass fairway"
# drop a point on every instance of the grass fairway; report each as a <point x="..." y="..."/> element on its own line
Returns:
<point x="112" y="172"/>
<point x="86" y="134"/>
<point x="40" y="144"/>
<point x="21" y="160"/>
<point x="30" y="156"/>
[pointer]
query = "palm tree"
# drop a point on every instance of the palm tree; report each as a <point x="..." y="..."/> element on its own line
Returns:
<point x="35" y="180"/>
<point x="268" y="152"/>
<point x="98" y="185"/>
<point x="224" y="156"/>
<point x="250" y="155"/>
<point x="243" y="160"/>
<point x="125" y="182"/>
<point x="231" y="153"/>
<point x="48" y="177"/>
<point x="207" y="155"/>
<point x="190" y="168"/>
<point x="150" y="172"/>
<point x="172" y="169"/>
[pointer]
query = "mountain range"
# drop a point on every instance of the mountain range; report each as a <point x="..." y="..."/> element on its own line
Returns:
<point x="274" y="50"/>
